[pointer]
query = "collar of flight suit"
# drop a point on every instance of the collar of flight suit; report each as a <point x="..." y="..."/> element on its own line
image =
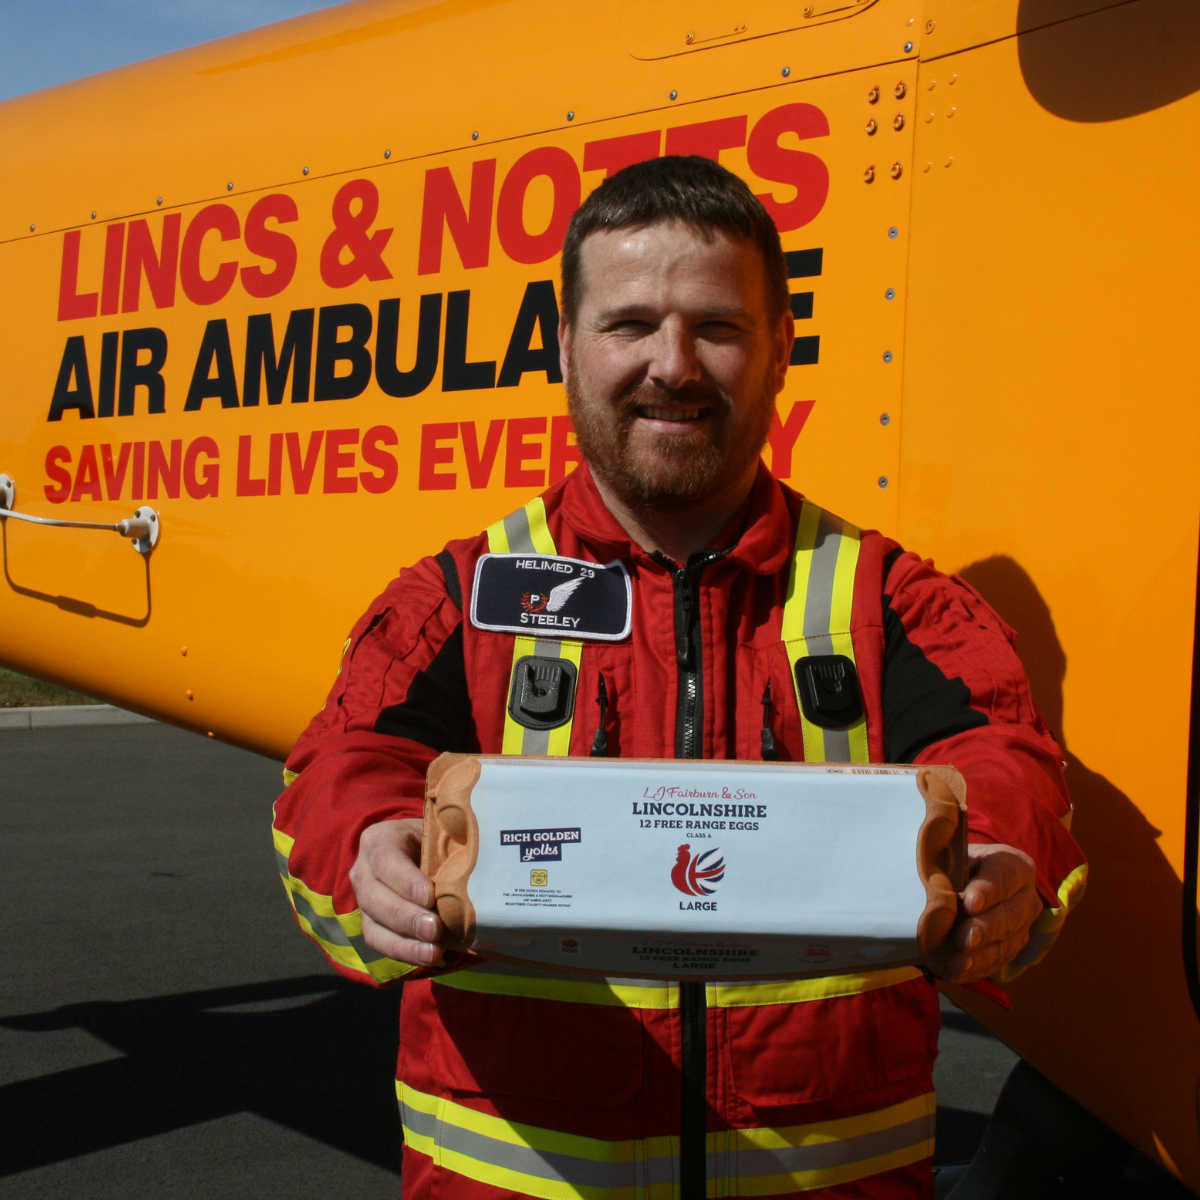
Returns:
<point x="764" y="546"/>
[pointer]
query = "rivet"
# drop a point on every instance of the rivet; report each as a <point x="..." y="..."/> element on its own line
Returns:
<point x="304" y="171"/>
<point x="952" y="112"/>
<point x="570" y="116"/>
<point x="475" y="136"/>
<point x="929" y="117"/>
<point x="32" y="228"/>
<point x="927" y="166"/>
<point x="674" y="95"/>
<point x="691" y="37"/>
<point x="893" y="232"/>
<point x="890" y="294"/>
<point x="949" y="160"/>
<point x="160" y="200"/>
<point x="901" y="90"/>
<point x="932" y="84"/>
<point x="885" y="418"/>
<point x="898" y="122"/>
<point x="908" y="47"/>
<point x="873" y="96"/>
<point x="887" y="356"/>
<point x="930" y="26"/>
<point x="93" y="216"/>
<point x="909" y="21"/>
<point x="786" y="72"/>
<point x="210" y="733"/>
<point x="183" y="651"/>
<point x="387" y="154"/>
<point x="883" y="481"/>
<point x="869" y="175"/>
<point x="953" y="78"/>
<point x="229" y="187"/>
<point x="897" y="170"/>
<point x="189" y="694"/>
<point x="810" y="10"/>
<point x="871" y="126"/>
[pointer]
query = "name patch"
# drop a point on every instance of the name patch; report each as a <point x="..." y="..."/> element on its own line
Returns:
<point x="552" y="596"/>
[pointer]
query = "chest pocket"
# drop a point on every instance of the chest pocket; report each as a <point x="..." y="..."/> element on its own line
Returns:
<point x="816" y="636"/>
<point x="545" y="670"/>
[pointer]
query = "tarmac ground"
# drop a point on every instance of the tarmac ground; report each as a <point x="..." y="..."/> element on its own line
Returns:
<point x="165" y="1031"/>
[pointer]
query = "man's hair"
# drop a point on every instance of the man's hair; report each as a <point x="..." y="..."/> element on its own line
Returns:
<point x="691" y="189"/>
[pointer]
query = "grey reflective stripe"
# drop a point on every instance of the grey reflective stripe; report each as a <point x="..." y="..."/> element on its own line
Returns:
<point x="818" y="605"/>
<point x="739" y="1163"/>
<point x="516" y="529"/>
<point x="816" y="1156"/>
<point x="329" y="928"/>
<point x="542" y="1164"/>
<point x="537" y="741"/>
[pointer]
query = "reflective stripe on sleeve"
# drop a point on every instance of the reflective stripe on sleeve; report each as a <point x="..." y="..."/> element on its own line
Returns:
<point x="816" y="620"/>
<point x="747" y="1162"/>
<point x="527" y="532"/>
<point x="338" y="934"/>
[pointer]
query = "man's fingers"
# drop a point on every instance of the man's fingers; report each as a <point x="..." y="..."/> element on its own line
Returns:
<point x="390" y="852"/>
<point x="1011" y="918"/>
<point x="969" y="967"/>
<point x="394" y="895"/>
<point x="996" y="877"/>
<point x="401" y="949"/>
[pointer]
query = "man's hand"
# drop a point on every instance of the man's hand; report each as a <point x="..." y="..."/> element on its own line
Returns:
<point x="395" y="895"/>
<point x="1000" y="904"/>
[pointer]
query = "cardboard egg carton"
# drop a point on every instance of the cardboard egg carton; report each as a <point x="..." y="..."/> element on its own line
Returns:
<point x="676" y="869"/>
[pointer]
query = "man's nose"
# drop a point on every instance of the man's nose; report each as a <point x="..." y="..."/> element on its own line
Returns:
<point x="673" y="360"/>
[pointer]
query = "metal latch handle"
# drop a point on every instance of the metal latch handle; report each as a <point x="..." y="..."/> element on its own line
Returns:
<point x="142" y="528"/>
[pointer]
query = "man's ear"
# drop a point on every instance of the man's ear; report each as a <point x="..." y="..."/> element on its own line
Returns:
<point x="564" y="348"/>
<point x="785" y="336"/>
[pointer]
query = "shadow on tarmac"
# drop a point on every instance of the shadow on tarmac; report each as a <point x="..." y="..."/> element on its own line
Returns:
<point x="311" y="1053"/>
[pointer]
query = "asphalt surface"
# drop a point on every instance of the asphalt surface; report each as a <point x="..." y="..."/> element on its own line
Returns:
<point x="164" y="1029"/>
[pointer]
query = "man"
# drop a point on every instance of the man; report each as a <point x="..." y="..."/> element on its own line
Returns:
<point x="675" y="339"/>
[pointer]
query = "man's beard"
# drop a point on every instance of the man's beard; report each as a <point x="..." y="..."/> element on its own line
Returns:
<point x="668" y="471"/>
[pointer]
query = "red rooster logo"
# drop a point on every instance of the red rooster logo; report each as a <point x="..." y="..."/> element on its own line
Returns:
<point x="697" y="874"/>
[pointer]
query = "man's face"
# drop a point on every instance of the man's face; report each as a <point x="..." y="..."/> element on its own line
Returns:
<point x="674" y="362"/>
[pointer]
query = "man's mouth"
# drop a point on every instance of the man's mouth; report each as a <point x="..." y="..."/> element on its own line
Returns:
<point x="673" y="413"/>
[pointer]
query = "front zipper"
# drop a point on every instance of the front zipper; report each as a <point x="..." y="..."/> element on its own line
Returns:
<point x="693" y="1002"/>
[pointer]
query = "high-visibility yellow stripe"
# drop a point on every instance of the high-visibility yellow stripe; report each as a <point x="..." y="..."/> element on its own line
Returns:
<point x="539" y="529"/>
<point x="797" y="596"/>
<point x="528" y="527"/>
<point x="502" y="979"/>
<point x="818" y="586"/>
<point x="288" y="776"/>
<point x="800" y="991"/>
<point x="562" y="1166"/>
<point x="514" y="734"/>
<point x="499" y="979"/>
<point x="339" y="935"/>
<point x="497" y="537"/>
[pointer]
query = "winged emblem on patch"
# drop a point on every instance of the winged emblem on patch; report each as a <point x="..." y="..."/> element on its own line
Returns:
<point x="551" y="601"/>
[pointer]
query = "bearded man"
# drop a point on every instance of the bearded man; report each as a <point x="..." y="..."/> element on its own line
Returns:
<point x="675" y="338"/>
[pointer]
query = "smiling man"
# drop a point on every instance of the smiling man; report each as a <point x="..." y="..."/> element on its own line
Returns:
<point x="757" y="625"/>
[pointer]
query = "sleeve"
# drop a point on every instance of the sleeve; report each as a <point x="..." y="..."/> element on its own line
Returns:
<point x="954" y="691"/>
<point x="400" y="700"/>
